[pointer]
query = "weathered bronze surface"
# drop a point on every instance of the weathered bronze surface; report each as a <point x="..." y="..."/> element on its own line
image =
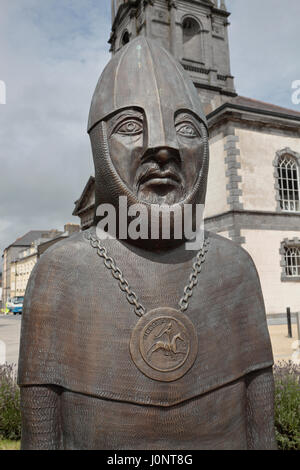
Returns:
<point x="164" y="344"/>
<point x="94" y="376"/>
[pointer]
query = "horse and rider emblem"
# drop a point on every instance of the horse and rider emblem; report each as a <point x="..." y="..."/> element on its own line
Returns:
<point x="168" y="342"/>
<point x="164" y="344"/>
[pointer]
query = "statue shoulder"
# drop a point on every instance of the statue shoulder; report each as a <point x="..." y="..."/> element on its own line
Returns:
<point x="56" y="272"/>
<point x="228" y="256"/>
<point x="234" y="276"/>
<point x="57" y="282"/>
<point x="65" y="255"/>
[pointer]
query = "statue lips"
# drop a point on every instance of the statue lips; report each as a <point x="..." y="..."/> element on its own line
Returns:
<point x="156" y="177"/>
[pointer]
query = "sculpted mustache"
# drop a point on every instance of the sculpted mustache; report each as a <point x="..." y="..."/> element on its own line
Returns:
<point x="159" y="174"/>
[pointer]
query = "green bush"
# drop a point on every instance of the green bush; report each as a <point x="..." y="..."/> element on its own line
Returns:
<point x="287" y="405"/>
<point x="10" y="415"/>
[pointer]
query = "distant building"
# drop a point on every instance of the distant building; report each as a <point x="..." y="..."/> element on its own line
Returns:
<point x="85" y="205"/>
<point x="253" y="195"/>
<point x="20" y="270"/>
<point x="11" y="252"/>
<point x="20" y="258"/>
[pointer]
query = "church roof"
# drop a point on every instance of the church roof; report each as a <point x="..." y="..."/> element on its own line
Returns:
<point x="248" y="105"/>
<point x="262" y="105"/>
<point x="27" y="239"/>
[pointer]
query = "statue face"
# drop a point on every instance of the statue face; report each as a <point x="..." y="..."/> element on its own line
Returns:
<point x="163" y="170"/>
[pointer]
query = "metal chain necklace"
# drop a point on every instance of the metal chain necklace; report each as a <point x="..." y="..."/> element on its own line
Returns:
<point x="164" y="342"/>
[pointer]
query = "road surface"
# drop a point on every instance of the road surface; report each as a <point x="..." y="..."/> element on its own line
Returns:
<point x="10" y="327"/>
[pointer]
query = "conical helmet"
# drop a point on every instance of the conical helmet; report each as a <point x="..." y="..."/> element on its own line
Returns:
<point x="144" y="75"/>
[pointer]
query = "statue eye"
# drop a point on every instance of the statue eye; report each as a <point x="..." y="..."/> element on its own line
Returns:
<point x="131" y="127"/>
<point x="187" y="130"/>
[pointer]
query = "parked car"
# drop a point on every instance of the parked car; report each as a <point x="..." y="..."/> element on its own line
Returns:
<point x="17" y="305"/>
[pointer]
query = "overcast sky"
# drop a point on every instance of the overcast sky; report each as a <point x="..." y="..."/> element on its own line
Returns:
<point x="52" y="53"/>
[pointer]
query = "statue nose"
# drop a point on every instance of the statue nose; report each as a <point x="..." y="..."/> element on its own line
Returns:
<point x="163" y="155"/>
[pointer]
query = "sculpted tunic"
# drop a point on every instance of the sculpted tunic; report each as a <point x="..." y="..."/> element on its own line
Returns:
<point x="80" y="388"/>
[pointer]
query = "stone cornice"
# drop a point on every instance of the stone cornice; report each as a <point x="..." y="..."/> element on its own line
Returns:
<point x="85" y="210"/>
<point x="219" y="89"/>
<point x="212" y="7"/>
<point x="224" y="13"/>
<point x="252" y="110"/>
<point x="255" y="116"/>
<point x="25" y="258"/>
<point x="255" y="220"/>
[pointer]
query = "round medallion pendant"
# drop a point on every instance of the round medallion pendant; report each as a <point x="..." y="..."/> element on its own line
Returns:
<point x="164" y="344"/>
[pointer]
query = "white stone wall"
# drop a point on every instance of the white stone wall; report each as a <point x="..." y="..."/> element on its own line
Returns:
<point x="258" y="151"/>
<point x="20" y="273"/>
<point x="216" y="198"/>
<point x="264" y="246"/>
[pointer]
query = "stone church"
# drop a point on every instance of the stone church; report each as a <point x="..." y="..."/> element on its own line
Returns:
<point x="254" y="178"/>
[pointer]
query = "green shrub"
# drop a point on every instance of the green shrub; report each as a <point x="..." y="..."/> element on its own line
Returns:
<point x="287" y="405"/>
<point x="10" y="415"/>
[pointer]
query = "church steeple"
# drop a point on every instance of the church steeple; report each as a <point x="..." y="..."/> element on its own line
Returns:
<point x="195" y="31"/>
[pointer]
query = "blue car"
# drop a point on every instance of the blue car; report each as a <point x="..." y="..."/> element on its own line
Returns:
<point x="17" y="305"/>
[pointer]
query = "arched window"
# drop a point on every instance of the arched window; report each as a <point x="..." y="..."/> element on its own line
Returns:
<point x="125" y="38"/>
<point x="288" y="182"/>
<point x="190" y="28"/>
<point x="292" y="261"/>
<point x="192" y="40"/>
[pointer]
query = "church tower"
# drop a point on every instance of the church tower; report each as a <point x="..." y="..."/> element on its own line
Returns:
<point x="194" y="31"/>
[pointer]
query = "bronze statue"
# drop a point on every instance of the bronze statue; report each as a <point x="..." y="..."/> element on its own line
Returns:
<point x="142" y="344"/>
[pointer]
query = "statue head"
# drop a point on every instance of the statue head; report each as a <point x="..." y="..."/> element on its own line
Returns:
<point x="148" y="130"/>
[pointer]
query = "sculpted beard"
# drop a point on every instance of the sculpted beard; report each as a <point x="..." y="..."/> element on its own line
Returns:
<point x="156" y="185"/>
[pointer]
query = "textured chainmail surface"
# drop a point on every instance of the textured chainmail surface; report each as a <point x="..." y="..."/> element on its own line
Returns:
<point x="235" y="417"/>
<point x="76" y="329"/>
<point x="131" y="296"/>
<point x="41" y="418"/>
<point x="260" y="411"/>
